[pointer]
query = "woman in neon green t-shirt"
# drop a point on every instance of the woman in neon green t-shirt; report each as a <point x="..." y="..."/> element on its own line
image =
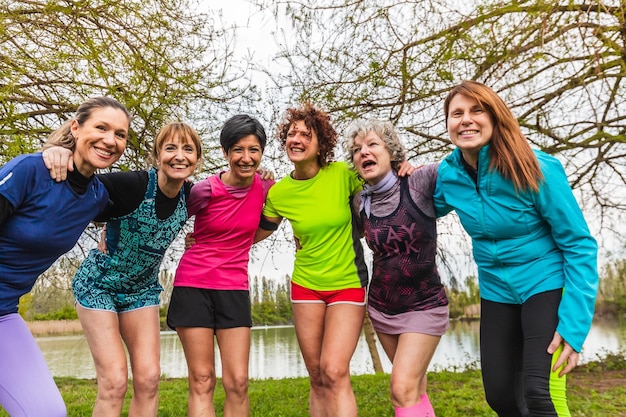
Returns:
<point x="330" y="275"/>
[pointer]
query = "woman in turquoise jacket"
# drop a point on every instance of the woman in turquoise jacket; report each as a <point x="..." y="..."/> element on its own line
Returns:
<point x="537" y="261"/>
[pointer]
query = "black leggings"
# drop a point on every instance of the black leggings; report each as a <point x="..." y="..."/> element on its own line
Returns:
<point x="516" y="366"/>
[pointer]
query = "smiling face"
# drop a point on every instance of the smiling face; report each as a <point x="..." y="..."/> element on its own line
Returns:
<point x="244" y="158"/>
<point x="177" y="158"/>
<point x="469" y="125"/>
<point x="371" y="157"/>
<point x="302" y="144"/>
<point x="100" y="140"/>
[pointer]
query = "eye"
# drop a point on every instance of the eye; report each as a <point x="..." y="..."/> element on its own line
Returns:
<point x="291" y="134"/>
<point x="189" y="148"/>
<point x="356" y="150"/>
<point x="121" y="135"/>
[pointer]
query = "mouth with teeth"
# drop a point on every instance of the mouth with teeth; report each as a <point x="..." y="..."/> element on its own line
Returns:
<point x="468" y="132"/>
<point x="103" y="152"/>
<point x="368" y="164"/>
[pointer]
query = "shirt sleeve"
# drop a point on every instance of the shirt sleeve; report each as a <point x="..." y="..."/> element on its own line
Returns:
<point x="558" y="207"/>
<point x="267" y="184"/>
<point x="422" y="186"/>
<point x="439" y="197"/>
<point x="199" y="197"/>
<point x="126" y="192"/>
<point x="17" y="177"/>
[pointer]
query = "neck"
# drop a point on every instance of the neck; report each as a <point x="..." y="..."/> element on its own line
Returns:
<point x="229" y="179"/>
<point x="305" y="171"/>
<point x="85" y="172"/>
<point x="168" y="186"/>
<point x="387" y="176"/>
<point x="471" y="159"/>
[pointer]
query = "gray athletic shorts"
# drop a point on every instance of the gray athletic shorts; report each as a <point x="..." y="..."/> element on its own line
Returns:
<point x="433" y="322"/>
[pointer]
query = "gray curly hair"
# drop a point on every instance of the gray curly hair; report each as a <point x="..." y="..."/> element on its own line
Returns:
<point x="385" y="131"/>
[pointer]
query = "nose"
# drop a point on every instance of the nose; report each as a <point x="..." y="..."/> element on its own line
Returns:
<point x="109" y="138"/>
<point x="246" y="156"/>
<point x="179" y="154"/>
<point x="466" y="119"/>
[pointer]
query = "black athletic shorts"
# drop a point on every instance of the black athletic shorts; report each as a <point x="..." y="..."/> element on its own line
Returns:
<point x="214" y="309"/>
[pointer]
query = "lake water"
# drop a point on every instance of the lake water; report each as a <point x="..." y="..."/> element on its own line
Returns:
<point x="275" y="353"/>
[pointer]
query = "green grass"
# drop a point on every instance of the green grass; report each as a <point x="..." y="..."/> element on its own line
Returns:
<point x="596" y="389"/>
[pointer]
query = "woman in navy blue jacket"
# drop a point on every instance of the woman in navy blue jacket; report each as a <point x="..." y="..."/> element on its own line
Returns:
<point x="40" y="220"/>
<point x="537" y="261"/>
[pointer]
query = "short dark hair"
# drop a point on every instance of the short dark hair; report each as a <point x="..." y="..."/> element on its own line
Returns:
<point x="239" y="126"/>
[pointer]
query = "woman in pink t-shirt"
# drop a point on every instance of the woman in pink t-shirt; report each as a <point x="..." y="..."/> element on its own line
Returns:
<point x="210" y="297"/>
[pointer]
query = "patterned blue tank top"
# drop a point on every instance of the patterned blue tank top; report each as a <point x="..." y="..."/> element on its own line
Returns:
<point x="136" y="243"/>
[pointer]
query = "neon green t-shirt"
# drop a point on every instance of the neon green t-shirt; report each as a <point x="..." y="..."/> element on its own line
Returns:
<point x="331" y="257"/>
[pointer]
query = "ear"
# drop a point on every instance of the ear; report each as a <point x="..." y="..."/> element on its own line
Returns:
<point x="74" y="127"/>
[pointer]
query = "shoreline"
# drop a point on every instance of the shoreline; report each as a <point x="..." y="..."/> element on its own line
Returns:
<point x="40" y="328"/>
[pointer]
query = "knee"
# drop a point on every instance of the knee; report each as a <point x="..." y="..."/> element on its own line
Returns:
<point x="403" y="392"/>
<point x="503" y="408"/>
<point x="113" y="387"/>
<point x="334" y="374"/>
<point x="236" y="385"/>
<point x="315" y="377"/>
<point x="48" y="408"/>
<point x="502" y="400"/>
<point x="55" y="410"/>
<point x="538" y="399"/>
<point x="202" y="381"/>
<point x="147" y="383"/>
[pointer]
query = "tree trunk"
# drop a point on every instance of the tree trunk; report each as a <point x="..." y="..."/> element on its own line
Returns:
<point x="370" y="338"/>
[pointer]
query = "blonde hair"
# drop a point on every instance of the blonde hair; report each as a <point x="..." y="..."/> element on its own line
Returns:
<point x="63" y="135"/>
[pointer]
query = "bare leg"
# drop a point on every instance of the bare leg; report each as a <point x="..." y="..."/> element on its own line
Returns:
<point x="342" y="328"/>
<point x="410" y="354"/>
<point x="199" y="346"/>
<point x="309" y="324"/>
<point x="235" y="354"/>
<point x="102" y="332"/>
<point x="141" y="333"/>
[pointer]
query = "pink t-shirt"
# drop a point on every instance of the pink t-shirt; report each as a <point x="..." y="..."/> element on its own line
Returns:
<point x="226" y="221"/>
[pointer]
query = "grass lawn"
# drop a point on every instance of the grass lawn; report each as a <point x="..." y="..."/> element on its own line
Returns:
<point x="597" y="389"/>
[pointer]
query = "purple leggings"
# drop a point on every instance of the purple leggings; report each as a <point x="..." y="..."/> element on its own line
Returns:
<point x="26" y="385"/>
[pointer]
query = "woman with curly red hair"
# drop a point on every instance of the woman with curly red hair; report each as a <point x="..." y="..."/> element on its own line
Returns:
<point x="330" y="275"/>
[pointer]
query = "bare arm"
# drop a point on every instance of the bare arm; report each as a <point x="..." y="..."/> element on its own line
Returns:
<point x="266" y="228"/>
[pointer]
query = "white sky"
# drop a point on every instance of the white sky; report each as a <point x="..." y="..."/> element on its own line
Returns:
<point x="274" y="257"/>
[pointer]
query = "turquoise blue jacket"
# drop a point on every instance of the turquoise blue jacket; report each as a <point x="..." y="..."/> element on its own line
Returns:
<point x="525" y="243"/>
